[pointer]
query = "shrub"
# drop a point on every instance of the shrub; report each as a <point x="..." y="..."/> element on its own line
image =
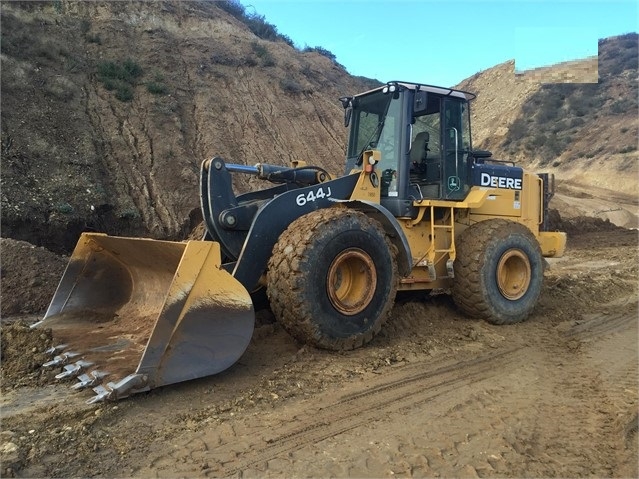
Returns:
<point x="127" y="71"/>
<point x="234" y="7"/>
<point x="322" y="51"/>
<point x="223" y="58"/>
<point x="132" y="69"/>
<point x="124" y="92"/>
<point x="290" y="86"/>
<point x="94" y="39"/>
<point x="286" y="39"/>
<point x="262" y="52"/>
<point x="260" y="27"/>
<point x="109" y="84"/>
<point x="64" y="208"/>
<point x="120" y="77"/>
<point x="577" y="122"/>
<point x="157" y="88"/>
<point x="255" y="22"/>
<point x="619" y="106"/>
<point x="628" y="149"/>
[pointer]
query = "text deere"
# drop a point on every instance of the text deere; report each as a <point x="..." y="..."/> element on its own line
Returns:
<point x="500" y="182"/>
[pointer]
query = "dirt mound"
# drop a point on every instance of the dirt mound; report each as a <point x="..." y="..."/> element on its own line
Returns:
<point x="579" y="224"/>
<point x="23" y="354"/>
<point x="30" y="275"/>
<point x="586" y="224"/>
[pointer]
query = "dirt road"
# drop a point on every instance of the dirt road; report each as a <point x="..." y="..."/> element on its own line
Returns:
<point x="435" y="394"/>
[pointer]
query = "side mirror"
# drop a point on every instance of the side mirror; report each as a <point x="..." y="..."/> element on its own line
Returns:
<point x="420" y="102"/>
<point x="347" y="116"/>
<point x="347" y="104"/>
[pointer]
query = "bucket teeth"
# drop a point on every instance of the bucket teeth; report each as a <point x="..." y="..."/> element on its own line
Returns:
<point x="101" y="393"/>
<point x="56" y="349"/>
<point x="61" y="359"/>
<point x="71" y="370"/>
<point x="90" y="379"/>
<point x="121" y="389"/>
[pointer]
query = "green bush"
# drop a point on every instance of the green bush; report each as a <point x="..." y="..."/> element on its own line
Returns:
<point x="110" y="84"/>
<point x="157" y="88"/>
<point x="132" y="69"/>
<point x="260" y="50"/>
<point x="124" y="92"/>
<point x="120" y="77"/>
<point x="128" y="71"/>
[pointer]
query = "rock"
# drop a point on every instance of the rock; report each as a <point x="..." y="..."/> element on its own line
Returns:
<point x="8" y="448"/>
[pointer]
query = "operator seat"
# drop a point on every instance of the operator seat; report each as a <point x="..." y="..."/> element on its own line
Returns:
<point x="419" y="151"/>
<point x="425" y="174"/>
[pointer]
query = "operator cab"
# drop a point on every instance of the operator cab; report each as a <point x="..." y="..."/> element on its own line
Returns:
<point x="423" y="135"/>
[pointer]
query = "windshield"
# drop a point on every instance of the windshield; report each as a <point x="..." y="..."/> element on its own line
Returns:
<point x="375" y="120"/>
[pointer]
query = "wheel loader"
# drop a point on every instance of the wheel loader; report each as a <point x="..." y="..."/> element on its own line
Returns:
<point x="417" y="208"/>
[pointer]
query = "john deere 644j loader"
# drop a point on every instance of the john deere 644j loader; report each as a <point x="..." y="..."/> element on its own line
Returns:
<point x="417" y="209"/>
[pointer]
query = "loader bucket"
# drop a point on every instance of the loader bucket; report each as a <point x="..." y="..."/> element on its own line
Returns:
<point x="134" y="314"/>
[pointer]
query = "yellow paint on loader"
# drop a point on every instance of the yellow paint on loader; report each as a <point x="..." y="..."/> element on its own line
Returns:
<point x="160" y="312"/>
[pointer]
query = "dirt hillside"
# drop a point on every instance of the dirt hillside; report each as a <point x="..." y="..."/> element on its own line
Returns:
<point x="556" y="119"/>
<point x="108" y="109"/>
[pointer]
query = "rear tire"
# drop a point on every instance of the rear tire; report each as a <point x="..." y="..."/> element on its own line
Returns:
<point x="498" y="271"/>
<point x="332" y="278"/>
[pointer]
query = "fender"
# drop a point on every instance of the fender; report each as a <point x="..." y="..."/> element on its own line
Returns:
<point x="276" y="215"/>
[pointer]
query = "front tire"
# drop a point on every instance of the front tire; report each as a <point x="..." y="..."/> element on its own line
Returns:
<point x="498" y="271"/>
<point x="332" y="278"/>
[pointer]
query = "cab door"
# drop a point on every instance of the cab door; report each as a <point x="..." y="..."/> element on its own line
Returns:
<point x="456" y="147"/>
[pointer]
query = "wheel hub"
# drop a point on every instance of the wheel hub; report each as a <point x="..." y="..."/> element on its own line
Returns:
<point x="513" y="274"/>
<point x="351" y="281"/>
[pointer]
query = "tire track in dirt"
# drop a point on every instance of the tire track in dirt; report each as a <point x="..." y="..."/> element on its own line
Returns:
<point x="608" y="341"/>
<point x="401" y="390"/>
<point x="595" y="325"/>
<point x="544" y="380"/>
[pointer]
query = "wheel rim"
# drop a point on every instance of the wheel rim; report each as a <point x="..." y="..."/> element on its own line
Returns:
<point x="351" y="281"/>
<point x="513" y="274"/>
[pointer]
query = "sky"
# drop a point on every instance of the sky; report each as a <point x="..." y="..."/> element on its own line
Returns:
<point x="443" y="42"/>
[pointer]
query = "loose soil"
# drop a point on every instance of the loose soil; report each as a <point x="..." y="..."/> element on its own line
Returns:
<point x="29" y="276"/>
<point x="435" y="394"/>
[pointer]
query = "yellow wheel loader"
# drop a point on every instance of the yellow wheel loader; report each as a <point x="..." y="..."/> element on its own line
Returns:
<point x="417" y="209"/>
